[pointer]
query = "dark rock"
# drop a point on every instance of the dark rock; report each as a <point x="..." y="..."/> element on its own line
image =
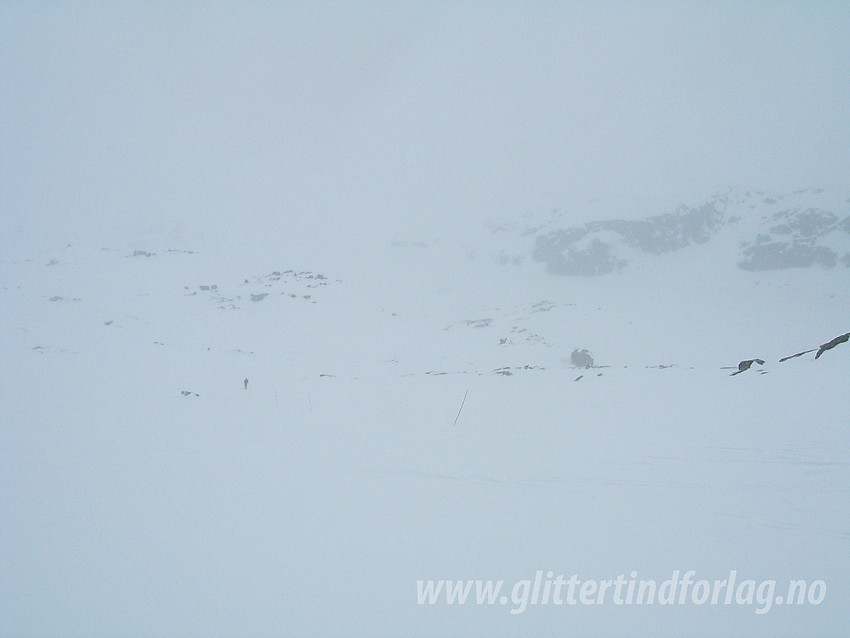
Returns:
<point x="794" y="356"/>
<point x="745" y="365"/>
<point x="581" y="359"/>
<point x="829" y="345"/>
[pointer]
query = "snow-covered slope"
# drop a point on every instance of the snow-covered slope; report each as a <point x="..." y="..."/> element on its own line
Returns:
<point x="412" y="413"/>
<point x="756" y="230"/>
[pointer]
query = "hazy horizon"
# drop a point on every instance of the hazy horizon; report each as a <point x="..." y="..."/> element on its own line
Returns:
<point x="258" y="119"/>
<point x="368" y="212"/>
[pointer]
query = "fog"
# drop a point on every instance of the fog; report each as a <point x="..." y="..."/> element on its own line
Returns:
<point x="267" y="364"/>
<point x="256" y="121"/>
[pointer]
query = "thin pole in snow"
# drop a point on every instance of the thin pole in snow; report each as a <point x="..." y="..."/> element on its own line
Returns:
<point x="461" y="407"/>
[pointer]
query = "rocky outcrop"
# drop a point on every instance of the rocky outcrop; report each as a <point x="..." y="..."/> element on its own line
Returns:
<point x="589" y="249"/>
<point x="794" y="356"/>
<point x="793" y="239"/>
<point x="746" y="364"/>
<point x="800" y="235"/>
<point x="829" y="345"/>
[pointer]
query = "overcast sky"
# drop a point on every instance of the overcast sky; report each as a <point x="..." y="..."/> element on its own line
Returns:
<point x="268" y="117"/>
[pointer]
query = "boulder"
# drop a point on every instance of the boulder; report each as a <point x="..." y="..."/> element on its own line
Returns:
<point x="581" y="358"/>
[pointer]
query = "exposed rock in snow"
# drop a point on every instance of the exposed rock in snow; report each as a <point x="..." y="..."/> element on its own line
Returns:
<point x="581" y="358"/>
<point x="746" y="364"/>
<point x="799" y="230"/>
<point x="829" y="345"/>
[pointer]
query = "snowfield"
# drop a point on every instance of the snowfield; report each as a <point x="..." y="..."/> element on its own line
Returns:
<point x="146" y="491"/>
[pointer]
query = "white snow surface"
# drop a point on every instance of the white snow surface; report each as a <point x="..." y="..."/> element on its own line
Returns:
<point x="146" y="492"/>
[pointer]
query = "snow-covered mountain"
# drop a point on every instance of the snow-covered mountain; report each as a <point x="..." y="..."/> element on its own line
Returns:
<point x="797" y="230"/>
<point x="412" y="412"/>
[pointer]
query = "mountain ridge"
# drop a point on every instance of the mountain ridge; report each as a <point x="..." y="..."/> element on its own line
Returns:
<point x="773" y="232"/>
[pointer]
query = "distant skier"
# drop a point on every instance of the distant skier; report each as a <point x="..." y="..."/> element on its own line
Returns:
<point x="831" y="344"/>
<point x="246" y="383"/>
<point x="745" y="365"/>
